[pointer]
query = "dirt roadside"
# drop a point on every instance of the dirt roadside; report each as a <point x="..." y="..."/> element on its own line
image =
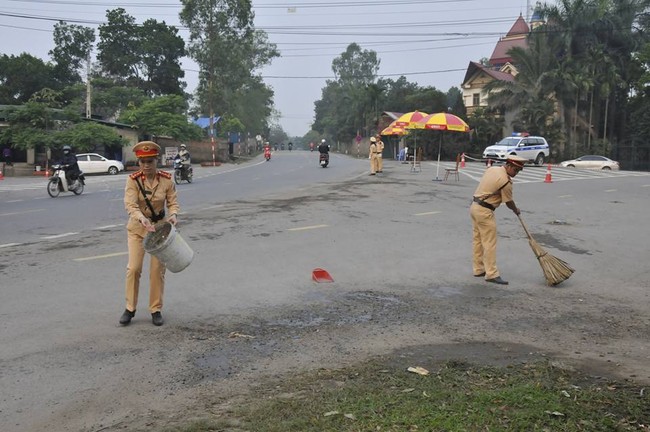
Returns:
<point x="239" y="361"/>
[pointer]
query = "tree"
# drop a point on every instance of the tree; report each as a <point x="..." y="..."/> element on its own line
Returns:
<point x="109" y="99"/>
<point x="33" y="124"/>
<point x="227" y="48"/>
<point x="253" y="107"/>
<point x="277" y="134"/>
<point x="355" y="66"/>
<point x="22" y="76"/>
<point x="486" y="128"/>
<point x="73" y="45"/>
<point x="88" y="136"/>
<point x="351" y="103"/>
<point x="398" y="93"/>
<point x="146" y="56"/>
<point x="163" y="116"/>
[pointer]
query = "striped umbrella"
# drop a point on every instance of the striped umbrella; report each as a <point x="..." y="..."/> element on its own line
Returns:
<point x="410" y="119"/>
<point x="443" y="121"/>
<point x="391" y="129"/>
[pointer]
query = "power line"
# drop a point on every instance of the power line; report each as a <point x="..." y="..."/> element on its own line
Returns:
<point x="328" y="4"/>
<point x="333" y="77"/>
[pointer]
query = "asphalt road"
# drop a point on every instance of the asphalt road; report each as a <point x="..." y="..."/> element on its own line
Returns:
<point x="258" y="230"/>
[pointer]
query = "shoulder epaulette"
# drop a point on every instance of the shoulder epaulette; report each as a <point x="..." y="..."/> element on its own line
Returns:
<point x="136" y="174"/>
<point x="164" y="174"/>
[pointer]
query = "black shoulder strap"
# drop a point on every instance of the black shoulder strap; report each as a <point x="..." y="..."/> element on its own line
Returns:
<point x="144" y="195"/>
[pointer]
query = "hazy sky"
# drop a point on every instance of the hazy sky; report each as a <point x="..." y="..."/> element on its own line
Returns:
<point x="430" y="42"/>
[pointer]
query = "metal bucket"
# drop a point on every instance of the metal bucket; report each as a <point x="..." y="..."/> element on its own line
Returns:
<point x="168" y="246"/>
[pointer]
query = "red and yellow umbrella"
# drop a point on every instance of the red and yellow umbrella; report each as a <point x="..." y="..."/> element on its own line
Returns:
<point x="410" y="120"/>
<point x="444" y="121"/>
<point x="391" y="129"/>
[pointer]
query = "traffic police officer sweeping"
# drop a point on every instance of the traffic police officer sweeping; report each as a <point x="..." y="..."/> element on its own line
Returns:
<point x="494" y="188"/>
<point x="147" y="193"/>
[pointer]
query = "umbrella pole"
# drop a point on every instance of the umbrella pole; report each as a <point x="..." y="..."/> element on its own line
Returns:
<point x="415" y="153"/>
<point x="438" y="167"/>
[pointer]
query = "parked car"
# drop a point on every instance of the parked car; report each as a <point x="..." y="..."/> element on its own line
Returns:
<point x="91" y="163"/>
<point x="592" y="162"/>
<point x="533" y="148"/>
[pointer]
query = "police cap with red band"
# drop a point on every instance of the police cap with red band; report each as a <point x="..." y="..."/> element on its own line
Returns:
<point x="145" y="149"/>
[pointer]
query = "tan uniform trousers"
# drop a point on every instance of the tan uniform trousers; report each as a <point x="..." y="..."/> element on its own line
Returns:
<point x="380" y="162"/>
<point x="134" y="270"/>
<point x="373" y="163"/>
<point x="484" y="241"/>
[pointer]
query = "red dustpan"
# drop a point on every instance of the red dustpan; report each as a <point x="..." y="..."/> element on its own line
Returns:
<point x="320" y="275"/>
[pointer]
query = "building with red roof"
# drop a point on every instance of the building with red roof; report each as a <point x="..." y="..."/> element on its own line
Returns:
<point x="498" y="67"/>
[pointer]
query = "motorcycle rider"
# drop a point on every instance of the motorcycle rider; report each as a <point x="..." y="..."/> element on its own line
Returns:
<point x="324" y="147"/>
<point x="324" y="150"/>
<point x="184" y="155"/>
<point x="70" y="165"/>
<point x="267" y="150"/>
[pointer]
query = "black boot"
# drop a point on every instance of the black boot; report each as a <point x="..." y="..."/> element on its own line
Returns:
<point x="157" y="319"/>
<point x="126" y="317"/>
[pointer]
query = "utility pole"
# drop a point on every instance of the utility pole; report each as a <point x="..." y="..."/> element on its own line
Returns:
<point x="88" y="87"/>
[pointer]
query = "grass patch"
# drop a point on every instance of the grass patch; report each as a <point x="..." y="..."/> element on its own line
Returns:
<point x="457" y="397"/>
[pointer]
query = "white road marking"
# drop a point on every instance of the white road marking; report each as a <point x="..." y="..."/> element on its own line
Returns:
<point x="96" y="257"/>
<point x="565" y="196"/>
<point x="9" y="245"/>
<point x="59" y="236"/>
<point x="427" y="213"/>
<point x="108" y="226"/>
<point x="23" y="212"/>
<point x="610" y="190"/>
<point x="307" y="228"/>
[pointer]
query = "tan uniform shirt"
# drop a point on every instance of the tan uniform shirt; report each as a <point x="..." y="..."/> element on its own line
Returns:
<point x="163" y="191"/>
<point x="380" y="148"/>
<point x="373" y="150"/>
<point x="495" y="187"/>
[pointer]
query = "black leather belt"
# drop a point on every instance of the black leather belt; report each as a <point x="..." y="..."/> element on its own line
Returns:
<point x="483" y="204"/>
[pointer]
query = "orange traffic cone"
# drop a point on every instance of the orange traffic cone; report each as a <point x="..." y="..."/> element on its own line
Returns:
<point x="462" y="160"/>
<point x="2" y="176"/>
<point x="547" y="179"/>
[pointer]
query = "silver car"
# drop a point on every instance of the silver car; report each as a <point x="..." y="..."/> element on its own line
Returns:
<point x="91" y="163"/>
<point x="591" y="162"/>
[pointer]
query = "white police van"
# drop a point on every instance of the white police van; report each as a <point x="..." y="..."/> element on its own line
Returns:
<point x="533" y="148"/>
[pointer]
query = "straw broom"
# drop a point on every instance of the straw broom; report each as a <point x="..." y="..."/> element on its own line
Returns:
<point x="555" y="270"/>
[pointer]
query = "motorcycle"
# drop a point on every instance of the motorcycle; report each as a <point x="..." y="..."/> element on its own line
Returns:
<point x="267" y="154"/>
<point x="182" y="172"/>
<point x="324" y="159"/>
<point x="59" y="183"/>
